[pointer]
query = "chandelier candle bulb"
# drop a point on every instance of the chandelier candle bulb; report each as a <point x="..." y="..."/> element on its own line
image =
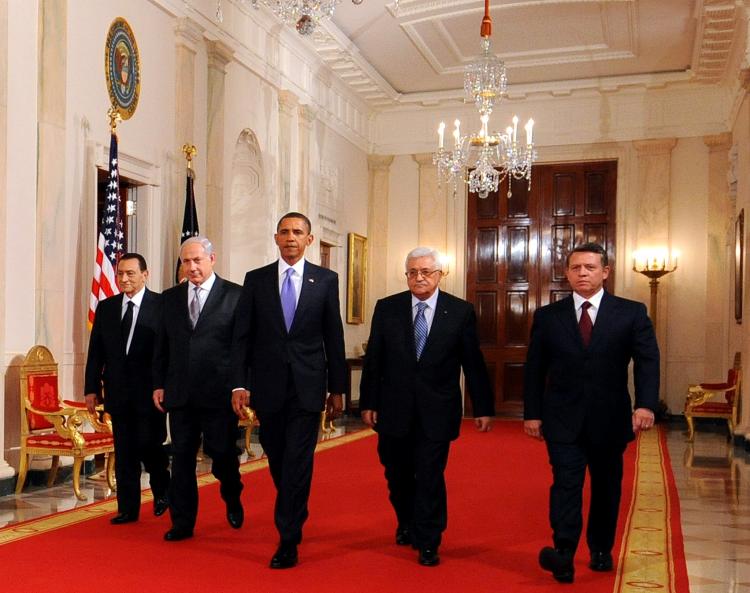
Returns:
<point x="529" y="130"/>
<point x="441" y="133"/>
<point x="515" y="128"/>
<point x="457" y="133"/>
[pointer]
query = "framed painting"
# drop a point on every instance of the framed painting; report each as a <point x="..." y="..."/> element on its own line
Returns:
<point x="739" y="264"/>
<point x="356" y="278"/>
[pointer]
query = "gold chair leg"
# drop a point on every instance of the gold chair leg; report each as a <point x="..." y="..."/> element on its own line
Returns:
<point x="731" y="428"/>
<point x="110" y="471"/>
<point x="53" y="470"/>
<point x="691" y="428"/>
<point x="248" y="450"/>
<point x="77" y="463"/>
<point x="23" y="468"/>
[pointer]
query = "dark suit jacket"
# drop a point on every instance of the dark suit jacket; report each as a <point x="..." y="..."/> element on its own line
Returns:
<point x="575" y="390"/>
<point x="400" y="388"/>
<point x="127" y="379"/>
<point x="313" y="349"/>
<point x="193" y="365"/>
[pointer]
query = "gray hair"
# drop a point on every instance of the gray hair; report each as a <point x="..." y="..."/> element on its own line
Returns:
<point x="208" y="247"/>
<point x="424" y="252"/>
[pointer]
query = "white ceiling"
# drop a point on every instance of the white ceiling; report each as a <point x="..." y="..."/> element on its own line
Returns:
<point x="418" y="53"/>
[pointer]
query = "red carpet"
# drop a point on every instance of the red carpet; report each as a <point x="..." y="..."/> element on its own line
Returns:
<point x="497" y="495"/>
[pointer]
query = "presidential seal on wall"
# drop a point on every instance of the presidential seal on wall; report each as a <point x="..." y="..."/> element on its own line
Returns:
<point x="123" y="68"/>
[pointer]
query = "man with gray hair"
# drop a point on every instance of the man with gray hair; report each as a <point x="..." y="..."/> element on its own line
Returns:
<point x="410" y="394"/>
<point x="192" y="382"/>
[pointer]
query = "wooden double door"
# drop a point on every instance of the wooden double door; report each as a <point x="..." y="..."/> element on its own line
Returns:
<point x="516" y="249"/>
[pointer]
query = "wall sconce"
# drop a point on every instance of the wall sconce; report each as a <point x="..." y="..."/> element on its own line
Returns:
<point x="654" y="263"/>
<point x="445" y="264"/>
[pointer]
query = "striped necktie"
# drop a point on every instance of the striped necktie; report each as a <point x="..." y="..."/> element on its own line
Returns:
<point x="420" y="329"/>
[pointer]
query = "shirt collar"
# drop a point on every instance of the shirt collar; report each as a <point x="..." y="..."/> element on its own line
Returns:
<point x="299" y="267"/>
<point x="595" y="300"/>
<point x="137" y="298"/>
<point x="431" y="302"/>
<point x="207" y="285"/>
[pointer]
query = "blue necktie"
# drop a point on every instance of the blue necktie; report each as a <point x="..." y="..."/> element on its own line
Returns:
<point x="288" y="299"/>
<point x="420" y="329"/>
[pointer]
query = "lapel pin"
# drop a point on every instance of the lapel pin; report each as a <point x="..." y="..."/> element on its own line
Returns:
<point x="311" y="279"/>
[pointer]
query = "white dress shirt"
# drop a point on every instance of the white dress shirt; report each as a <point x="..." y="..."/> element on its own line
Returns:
<point x="595" y="301"/>
<point x="205" y="289"/>
<point x="137" y="299"/>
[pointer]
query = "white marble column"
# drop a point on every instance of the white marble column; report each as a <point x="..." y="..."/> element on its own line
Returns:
<point x="652" y="197"/>
<point x="378" y="168"/>
<point x="433" y="211"/>
<point x="6" y="470"/>
<point x="720" y="226"/>
<point x="307" y="115"/>
<point x="219" y="56"/>
<point x="51" y="111"/>
<point x="288" y="105"/>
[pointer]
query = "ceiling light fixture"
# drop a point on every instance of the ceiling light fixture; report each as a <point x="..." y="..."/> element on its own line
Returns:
<point x="304" y="15"/>
<point x="484" y="159"/>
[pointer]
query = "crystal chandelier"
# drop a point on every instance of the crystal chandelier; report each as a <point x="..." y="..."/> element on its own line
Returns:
<point x="304" y="15"/>
<point x="484" y="159"/>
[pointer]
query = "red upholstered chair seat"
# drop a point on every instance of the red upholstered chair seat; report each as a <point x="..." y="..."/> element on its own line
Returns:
<point x="715" y="400"/>
<point x="55" y="441"/>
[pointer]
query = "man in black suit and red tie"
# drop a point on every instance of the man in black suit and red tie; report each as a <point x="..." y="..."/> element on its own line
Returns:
<point x="576" y="399"/>
<point x="121" y="348"/>
<point x="288" y="353"/>
<point x="192" y="382"/>
<point x="410" y="394"/>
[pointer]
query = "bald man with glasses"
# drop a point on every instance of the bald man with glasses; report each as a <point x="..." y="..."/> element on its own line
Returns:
<point x="411" y="395"/>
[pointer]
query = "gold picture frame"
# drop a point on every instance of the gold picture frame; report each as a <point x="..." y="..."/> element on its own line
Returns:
<point x="356" y="269"/>
<point x="739" y="264"/>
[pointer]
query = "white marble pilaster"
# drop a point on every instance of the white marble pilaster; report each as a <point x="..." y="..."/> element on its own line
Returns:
<point x="219" y="56"/>
<point x="378" y="168"/>
<point x="307" y="116"/>
<point x="433" y="210"/>
<point x="288" y="106"/>
<point x="720" y="228"/>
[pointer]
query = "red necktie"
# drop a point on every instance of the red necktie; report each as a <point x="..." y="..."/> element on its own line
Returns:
<point x="584" y="324"/>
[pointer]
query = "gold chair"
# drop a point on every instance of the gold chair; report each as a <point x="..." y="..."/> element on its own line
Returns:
<point x="50" y="425"/>
<point x="701" y="400"/>
<point x="250" y="421"/>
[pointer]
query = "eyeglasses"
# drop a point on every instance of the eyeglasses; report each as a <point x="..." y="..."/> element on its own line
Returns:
<point x="414" y="274"/>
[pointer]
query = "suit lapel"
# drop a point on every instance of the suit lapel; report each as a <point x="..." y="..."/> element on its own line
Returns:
<point x="603" y="318"/>
<point x="438" y="327"/>
<point x="272" y="285"/>
<point x="308" y="290"/>
<point x="566" y="314"/>
<point x="213" y="300"/>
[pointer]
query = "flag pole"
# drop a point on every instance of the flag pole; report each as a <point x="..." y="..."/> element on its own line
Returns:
<point x="190" y="151"/>
<point x="114" y="119"/>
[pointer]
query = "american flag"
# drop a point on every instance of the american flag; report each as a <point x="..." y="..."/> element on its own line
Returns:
<point x="189" y="219"/>
<point x="110" y="243"/>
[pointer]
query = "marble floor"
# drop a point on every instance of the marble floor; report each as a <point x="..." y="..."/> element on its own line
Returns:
<point x="712" y="478"/>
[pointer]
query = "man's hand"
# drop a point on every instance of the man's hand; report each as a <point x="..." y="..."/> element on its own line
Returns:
<point x="483" y="423"/>
<point x="240" y="400"/>
<point x="533" y="428"/>
<point x="158" y="399"/>
<point x="91" y="402"/>
<point x="643" y="419"/>
<point x="369" y="417"/>
<point x="334" y="405"/>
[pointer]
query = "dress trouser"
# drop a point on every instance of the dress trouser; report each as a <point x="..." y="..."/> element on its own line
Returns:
<point x="139" y="438"/>
<point x="414" y="469"/>
<point x="569" y="462"/>
<point x="218" y="426"/>
<point x="288" y="437"/>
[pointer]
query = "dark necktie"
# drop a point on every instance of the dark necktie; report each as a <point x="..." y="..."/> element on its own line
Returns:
<point x="584" y="324"/>
<point x="125" y="325"/>
<point x="288" y="299"/>
<point x="195" y="306"/>
<point x="420" y="329"/>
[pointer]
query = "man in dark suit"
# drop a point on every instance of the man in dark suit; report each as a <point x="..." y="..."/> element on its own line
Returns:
<point x="121" y="347"/>
<point x="410" y="393"/>
<point x="192" y="382"/>
<point x="288" y="352"/>
<point x="576" y="399"/>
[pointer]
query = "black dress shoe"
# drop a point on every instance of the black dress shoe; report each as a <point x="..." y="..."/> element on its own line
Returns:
<point x="122" y="518"/>
<point x="403" y="536"/>
<point x="429" y="557"/>
<point x="161" y="504"/>
<point x="235" y="515"/>
<point x="176" y="534"/>
<point x="558" y="562"/>
<point x="601" y="561"/>
<point x="285" y="556"/>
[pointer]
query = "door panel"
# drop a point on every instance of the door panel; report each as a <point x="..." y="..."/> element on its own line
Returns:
<point x="516" y="258"/>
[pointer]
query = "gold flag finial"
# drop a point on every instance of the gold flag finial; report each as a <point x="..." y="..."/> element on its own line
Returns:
<point x="190" y="151"/>
<point x="114" y="118"/>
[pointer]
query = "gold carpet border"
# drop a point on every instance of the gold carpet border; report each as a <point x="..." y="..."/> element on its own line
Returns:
<point x="646" y="555"/>
<point x="87" y="512"/>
